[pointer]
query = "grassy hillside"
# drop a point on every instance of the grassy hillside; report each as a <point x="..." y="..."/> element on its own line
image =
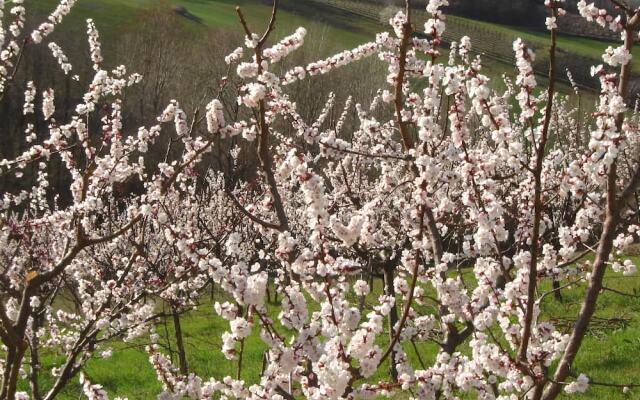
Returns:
<point x="330" y="29"/>
<point x="111" y="16"/>
<point x="327" y="19"/>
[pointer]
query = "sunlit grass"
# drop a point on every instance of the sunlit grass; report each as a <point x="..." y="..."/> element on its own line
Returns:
<point x="609" y="353"/>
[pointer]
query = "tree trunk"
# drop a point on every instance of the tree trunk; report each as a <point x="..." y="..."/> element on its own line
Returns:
<point x="35" y="358"/>
<point x="12" y="369"/>
<point x="388" y="272"/>
<point x="556" y="290"/>
<point x="182" y="355"/>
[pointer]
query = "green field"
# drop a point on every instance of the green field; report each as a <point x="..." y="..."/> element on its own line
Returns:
<point x="112" y="16"/>
<point x="330" y="29"/>
<point x="609" y="353"/>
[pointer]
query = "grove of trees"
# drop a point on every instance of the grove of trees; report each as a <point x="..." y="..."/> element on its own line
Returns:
<point x="129" y="192"/>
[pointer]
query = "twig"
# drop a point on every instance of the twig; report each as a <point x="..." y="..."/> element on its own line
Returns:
<point x="619" y="292"/>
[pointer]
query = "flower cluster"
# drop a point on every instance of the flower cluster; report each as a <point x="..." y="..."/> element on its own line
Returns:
<point x="599" y="15"/>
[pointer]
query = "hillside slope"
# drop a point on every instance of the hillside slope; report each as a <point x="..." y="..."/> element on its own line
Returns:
<point x="335" y="25"/>
<point x="113" y="16"/>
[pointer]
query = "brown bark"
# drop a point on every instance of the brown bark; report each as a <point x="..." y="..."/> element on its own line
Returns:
<point x="34" y="365"/>
<point x="388" y="273"/>
<point x="538" y="206"/>
<point x="182" y="355"/>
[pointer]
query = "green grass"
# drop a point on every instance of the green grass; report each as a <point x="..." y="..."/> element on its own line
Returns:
<point x="329" y="31"/>
<point x="609" y="352"/>
<point x="111" y="16"/>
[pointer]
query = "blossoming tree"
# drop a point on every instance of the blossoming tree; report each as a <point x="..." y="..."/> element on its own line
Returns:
<point x="441" y="174"/>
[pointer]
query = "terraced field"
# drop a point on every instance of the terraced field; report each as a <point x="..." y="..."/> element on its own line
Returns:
<point x="495" y="41"/>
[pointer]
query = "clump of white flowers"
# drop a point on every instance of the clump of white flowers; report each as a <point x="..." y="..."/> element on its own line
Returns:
<point x="599" y="15"/>
<point x="283" y="48"/>
<point x="46" y="28"/>
<point x="215" y="116"/>
<point x="618" y="56"/>
<point x="48" y="106"/>
<point x="580" y="385"/>
<point x="62" y="59"/>
<point x="255" y="92"/>
<point x="234" y="56"/>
